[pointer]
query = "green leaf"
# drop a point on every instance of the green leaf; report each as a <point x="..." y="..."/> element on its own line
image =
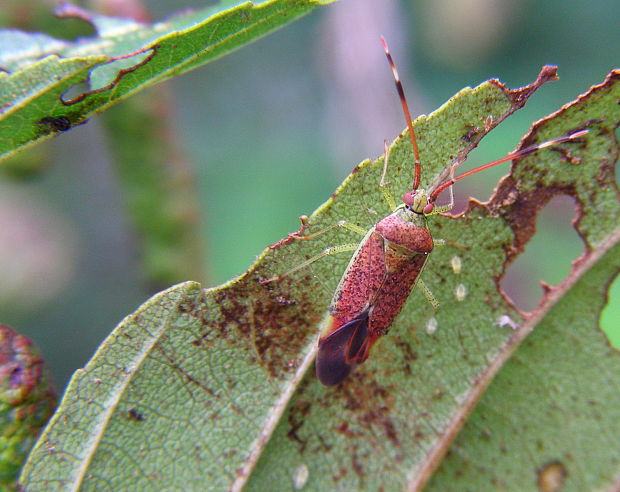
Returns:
<point x="40" y="85"/>
<point x="389" y="424"/>
<point x="211" y="389"/>
<point x="552" y="414"/>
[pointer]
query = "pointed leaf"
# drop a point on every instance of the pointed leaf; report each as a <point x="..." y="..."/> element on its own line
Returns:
<point x="39" y="88"/>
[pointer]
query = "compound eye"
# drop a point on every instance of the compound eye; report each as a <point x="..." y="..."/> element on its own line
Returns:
<point x="408" y="198"/>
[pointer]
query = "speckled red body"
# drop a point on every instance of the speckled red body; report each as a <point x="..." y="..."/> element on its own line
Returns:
<point x="372" y="291"/>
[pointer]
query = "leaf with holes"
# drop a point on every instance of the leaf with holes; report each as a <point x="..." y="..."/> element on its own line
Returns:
<point x="40" y="76"/>
<point x="214" y="389"/>
<point x="551" y="419"/>
<point x="391" y="422"/>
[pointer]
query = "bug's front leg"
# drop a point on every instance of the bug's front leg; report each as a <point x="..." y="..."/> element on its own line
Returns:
<point x="299" y="235"/>
<point x="332" y="250"/>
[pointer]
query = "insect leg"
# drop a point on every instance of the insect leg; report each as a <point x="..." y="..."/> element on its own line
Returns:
<point x="326" y="252"/>
<point x="341" y="223"/>
<point x="428" y="294"/>
<point x="293" y="236"/>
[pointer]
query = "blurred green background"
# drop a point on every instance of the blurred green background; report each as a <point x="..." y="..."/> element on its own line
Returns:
<point x="270" y="131"/>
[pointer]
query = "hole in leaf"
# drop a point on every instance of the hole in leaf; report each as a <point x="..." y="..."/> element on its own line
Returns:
<point x="39" y="17"/>
<point x="74" y="91"/>
<point x="106" y="75"/>
<point x="611" y="314"/>
<point x="547" y="257"/>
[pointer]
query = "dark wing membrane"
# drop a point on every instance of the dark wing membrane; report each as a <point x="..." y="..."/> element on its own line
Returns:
<point x="342" y="349"/>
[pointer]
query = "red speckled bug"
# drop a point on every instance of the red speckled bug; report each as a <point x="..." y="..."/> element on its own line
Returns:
<point x="386" y="264"/>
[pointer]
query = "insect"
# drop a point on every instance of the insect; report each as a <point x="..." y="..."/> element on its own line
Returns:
<point x="387" y="263"/>
<point x="56" y="124"/>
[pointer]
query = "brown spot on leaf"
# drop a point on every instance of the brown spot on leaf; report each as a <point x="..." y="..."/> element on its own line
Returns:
<point x="281" y="333"/>
<point x="135" y="414"/>
<point x="356" y="465"/>
<point x="370" y="404"/>
<point x="296" y="418"/>
<point x="567" y="156"/>
<point x="342" y="472"/>
<point x="345" y="430"/>
<point x="356" y="168"/>
<point x="469" y="136"/>
<point x="410" y="355"/>
<point x="325" y="447"/>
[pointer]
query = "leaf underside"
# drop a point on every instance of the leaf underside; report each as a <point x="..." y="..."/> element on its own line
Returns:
<point x="552" y="413"/>
<point x="210" y="389"/>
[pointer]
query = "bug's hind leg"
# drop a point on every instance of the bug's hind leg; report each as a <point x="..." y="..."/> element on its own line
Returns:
<point x="428" y="294"/>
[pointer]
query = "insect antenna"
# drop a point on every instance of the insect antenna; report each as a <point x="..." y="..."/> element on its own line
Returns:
<point x="403" y="102"/>
<point x="515" y="155"/>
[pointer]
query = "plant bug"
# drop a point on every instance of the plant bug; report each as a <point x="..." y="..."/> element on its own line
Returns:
<point x="387" y="263"/>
